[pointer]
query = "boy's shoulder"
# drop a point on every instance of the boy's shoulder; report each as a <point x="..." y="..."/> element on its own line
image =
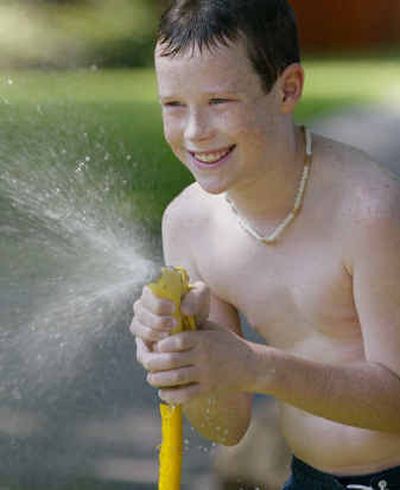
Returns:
<point x="186" y="218"/>
<point x="366" y="197"/>
<point x="189" y="214"/>
<point x="368" y="187"/>
<point x="192" y="206"/>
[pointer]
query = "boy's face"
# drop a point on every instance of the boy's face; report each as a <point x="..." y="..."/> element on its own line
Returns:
<point x="217" y="119"/>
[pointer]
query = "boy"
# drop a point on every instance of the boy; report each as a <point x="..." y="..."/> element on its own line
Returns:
<point x="297" y="232"/>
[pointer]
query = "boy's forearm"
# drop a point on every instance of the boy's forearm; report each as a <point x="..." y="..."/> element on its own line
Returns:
<point x="365" y="395"/>
<point x="222" y="417"/>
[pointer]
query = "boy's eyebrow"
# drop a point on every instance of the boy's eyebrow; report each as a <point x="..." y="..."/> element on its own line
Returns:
<point x="210" y="94"/>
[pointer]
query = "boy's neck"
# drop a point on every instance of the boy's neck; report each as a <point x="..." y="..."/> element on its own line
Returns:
<point x="268" y="199"/>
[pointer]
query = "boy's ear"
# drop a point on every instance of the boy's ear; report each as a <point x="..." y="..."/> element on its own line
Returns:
<point x="291" y="83"/>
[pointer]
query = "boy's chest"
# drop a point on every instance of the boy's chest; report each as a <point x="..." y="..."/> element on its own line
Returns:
<point x="287" y="293"/>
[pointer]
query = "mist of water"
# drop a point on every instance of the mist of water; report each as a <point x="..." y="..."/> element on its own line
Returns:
<point x="71" y="263"/>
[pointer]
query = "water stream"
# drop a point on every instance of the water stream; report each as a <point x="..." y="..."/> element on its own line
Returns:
<point x="74" y="404"/>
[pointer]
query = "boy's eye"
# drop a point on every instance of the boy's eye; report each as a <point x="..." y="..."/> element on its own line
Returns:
<point x="216" y="101"/>
<point x="172" y="103"/>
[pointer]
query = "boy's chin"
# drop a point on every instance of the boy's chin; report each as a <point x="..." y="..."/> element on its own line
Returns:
<point x="214" y="188"/>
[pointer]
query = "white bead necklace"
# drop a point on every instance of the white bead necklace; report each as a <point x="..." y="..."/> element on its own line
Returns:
<point x="273" y="237"/>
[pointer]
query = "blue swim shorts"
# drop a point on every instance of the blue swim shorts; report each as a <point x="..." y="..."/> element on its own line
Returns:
<point x="305" y="477"/>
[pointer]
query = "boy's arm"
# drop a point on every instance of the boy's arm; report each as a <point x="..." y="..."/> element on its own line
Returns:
<point x="221" y="416"/>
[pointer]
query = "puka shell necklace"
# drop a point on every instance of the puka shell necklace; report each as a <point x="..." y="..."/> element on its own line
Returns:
<point x="273" y="237"/>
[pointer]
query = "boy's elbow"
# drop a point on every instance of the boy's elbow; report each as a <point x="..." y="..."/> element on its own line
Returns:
<point x="232" y="436"/>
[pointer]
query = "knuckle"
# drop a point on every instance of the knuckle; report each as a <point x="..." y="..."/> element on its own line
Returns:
<point x="179" y="377"/>
<point x="153" y="335"/>
<point x="136" y="306"/>
<point x="157" y="309"/>
<point x="180" y="342"/>
<point x="146" y="363"/>
<point x="170" y="360"/>
<point x="135" y="328"/>
<point x="146" y="292"/>
<point x="161" y="322"/>
<point x="163" y="395"/>
<point x="202" y="289"/>
<point x="139" y="355"/>
<point x="161" y="307"/>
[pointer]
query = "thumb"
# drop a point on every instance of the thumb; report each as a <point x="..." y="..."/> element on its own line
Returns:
<point x="197" y="302"/>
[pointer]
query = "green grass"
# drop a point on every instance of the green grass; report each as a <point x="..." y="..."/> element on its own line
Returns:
<point x="113" y="116"/>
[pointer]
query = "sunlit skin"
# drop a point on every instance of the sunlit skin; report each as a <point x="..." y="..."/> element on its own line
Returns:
<point x="325" y="298"/>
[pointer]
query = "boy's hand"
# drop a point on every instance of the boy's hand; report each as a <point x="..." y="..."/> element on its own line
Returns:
<point x="194" y="363"/>
<point x="190" y="363"/>
<point x="153" y="317"/>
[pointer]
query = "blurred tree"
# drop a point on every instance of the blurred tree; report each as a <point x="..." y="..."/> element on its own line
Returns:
<point x="71" y="33"/>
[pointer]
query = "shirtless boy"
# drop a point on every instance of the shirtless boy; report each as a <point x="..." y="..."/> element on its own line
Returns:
<point x="325" y="294"/>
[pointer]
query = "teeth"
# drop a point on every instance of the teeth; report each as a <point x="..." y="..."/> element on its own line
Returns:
<point x="211" y="157"/>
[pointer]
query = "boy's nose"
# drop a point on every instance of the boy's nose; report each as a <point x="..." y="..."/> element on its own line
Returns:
<point x="198" y="127"/>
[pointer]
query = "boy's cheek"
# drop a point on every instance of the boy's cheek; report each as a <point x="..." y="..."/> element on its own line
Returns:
<point x="172" y="141"/>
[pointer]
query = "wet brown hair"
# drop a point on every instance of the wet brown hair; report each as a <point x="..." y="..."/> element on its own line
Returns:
<point x="268" y="28"/>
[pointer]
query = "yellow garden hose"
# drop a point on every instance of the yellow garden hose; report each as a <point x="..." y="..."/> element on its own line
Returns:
<point x="173" y="284"/>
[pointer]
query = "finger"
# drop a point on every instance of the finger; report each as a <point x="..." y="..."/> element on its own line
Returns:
<point x="158" y="306"/>
<point x="144" y="354"/>
<point x="147" y="334"/>
<point x="178" y="396"/>
<point x="197" y="302"/>
<point x="173" y="378"/>
<point x="157" y="322"/>
<point x="141" y="350"/>
<point x="169" y="361"/>
<point x="178" y="342"/>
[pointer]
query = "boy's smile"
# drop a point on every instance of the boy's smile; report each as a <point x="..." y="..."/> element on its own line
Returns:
<point x="211" y="157"/>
